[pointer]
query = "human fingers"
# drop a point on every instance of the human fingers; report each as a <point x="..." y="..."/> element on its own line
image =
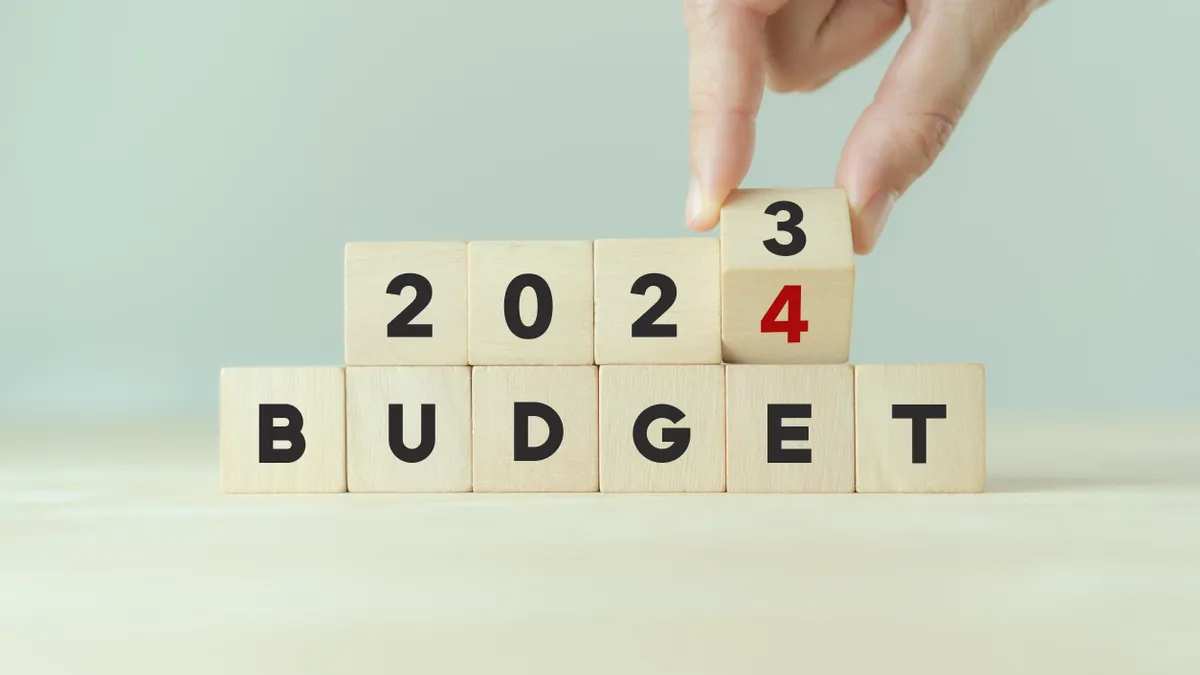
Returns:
<point x="809" y="43"/>
<point x="725" y="84"/>
<point x="919" y="104"/>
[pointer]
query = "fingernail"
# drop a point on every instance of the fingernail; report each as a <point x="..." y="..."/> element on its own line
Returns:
<point x="699" y="208"/>
<point x="874" y="216"/>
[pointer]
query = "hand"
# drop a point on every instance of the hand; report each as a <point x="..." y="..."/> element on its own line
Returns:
<point x="799" y="45"/>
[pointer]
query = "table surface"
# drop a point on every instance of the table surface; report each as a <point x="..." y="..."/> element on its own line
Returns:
<point x="119" y="554"/>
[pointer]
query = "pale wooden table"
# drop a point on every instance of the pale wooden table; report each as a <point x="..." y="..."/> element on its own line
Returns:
<point x="118" y="554"/>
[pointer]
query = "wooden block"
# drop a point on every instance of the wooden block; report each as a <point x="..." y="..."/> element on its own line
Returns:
<point x="787" y="276"/>
<point x="789" y="428"/>
<point x="920" y="428"/>
<point x="530" y="302"/>
<point x="658" y="301"/>
<point x="406" y="303"/>
<point x="662" y="428"/>
<point x="283" y="430"/>
<point x="534" y="429"/>
<point x="408" y="429"/>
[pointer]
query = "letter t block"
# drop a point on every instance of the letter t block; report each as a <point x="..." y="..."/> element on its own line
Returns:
<point x="787" y="276"/>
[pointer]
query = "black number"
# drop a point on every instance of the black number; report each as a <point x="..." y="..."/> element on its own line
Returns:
<point x="791" y="226"/>
<point x="401" y="326"/>
<point x="645" y="326"/>
<point x="512" y="306"/>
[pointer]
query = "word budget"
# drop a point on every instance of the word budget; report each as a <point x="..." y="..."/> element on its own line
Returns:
<point x="639" y="365"/>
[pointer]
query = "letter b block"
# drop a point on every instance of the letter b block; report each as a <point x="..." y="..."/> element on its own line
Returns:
<point x="534" y="429"/>
<point x="787" y="276"/>
<point x="283" y="430"/>
<point x="662" y="429"/>
<point x="919" y="428"/>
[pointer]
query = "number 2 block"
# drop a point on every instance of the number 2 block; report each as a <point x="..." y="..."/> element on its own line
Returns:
<point x="658" y="301"/>
<point x="787" y="276"/>
<point x="406" y="303"/>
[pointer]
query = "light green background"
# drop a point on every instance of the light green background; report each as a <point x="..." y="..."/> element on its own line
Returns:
<point x="178" y="179"/>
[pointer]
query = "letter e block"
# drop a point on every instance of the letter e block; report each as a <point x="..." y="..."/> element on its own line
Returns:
<point x="662" y="429"/>
<point x="920" y="428"/>
<point x="787" y="276"/>
<point x="283" y="430"/>
<point x="790" y="428"/>
<point x="658" y="301"/>
<point x="530" y="302"/>
<point x="406" y="303"/>
<point x="408" y="429"/>
<point x="534" y="429"/>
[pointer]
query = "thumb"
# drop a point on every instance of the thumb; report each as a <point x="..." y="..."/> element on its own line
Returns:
<point x="918" y="105"/>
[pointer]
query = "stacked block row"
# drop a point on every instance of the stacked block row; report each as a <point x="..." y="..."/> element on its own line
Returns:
<point x="646" y="365"/>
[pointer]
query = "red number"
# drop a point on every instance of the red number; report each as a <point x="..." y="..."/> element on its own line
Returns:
<point x="793" y="325"/>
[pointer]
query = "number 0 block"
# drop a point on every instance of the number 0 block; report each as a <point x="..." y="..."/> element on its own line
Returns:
<point x="406" y="303"/>
<point x="530" y="302"/>
<point x="658" y="301"/>
<point x="919" y="428"/>
<point x="787" y="276"/>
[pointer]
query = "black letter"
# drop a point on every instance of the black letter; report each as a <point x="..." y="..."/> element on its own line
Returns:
<point x="791" y="226"/>
<point x="777" y="433"/>
<point x="512" y="306"/>
<point x="402" y="326"/>
<point x="667" y="292"/>
<point x="396" y="433"/>
<point x="677" y="440"/>
<point x="268" y="433"/>
<point x="522" y="411"/>
<point x="918" y="414"/>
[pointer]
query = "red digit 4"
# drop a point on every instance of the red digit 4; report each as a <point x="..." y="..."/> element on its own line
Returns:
<point x="793" y="325"/>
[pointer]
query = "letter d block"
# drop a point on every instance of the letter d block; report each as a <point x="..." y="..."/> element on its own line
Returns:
<point x="787" y="276"/>
<point x="283" y="430"/>
<point x="662" y="429"/>
<point x="534" y="429"/>
<point x="408" y="429"/>
<point x="920" y="428"/>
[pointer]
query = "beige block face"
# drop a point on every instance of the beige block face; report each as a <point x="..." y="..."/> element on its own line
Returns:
<point x="389" y="446"/>
<point x="520" y="414"/>
<point x="673" y="414"/>
<point x="787" y="257"/>
<point x="406" y="303"/>
<point x="658" y="301"/>
<point x="888" y="451"/>
<point x="530" y="302"/>
<point x="789" y="428"/>
<point x="283" y="430"/>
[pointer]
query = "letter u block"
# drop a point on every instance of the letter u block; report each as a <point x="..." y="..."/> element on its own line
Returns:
<point x="408" y="429"/>
<point x="662" y="428"/>
<point x="283" y="430"/>
<point x="787" y="276"/>
<point x="534" y="429"/>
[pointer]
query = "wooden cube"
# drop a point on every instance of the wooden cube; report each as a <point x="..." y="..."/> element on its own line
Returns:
<point x="406" y="303"/>
<point x="408" y="429"/>
<point x="283" y="430"/>
<point x="530" y="302"/>
<point x="534" y="429"/>
<point x="789" y="428"/>
<point x="658" y="301"/>
<point x="920" y="428"/>
<point x="662" y="428"/>
<point x="787" y="276"/>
